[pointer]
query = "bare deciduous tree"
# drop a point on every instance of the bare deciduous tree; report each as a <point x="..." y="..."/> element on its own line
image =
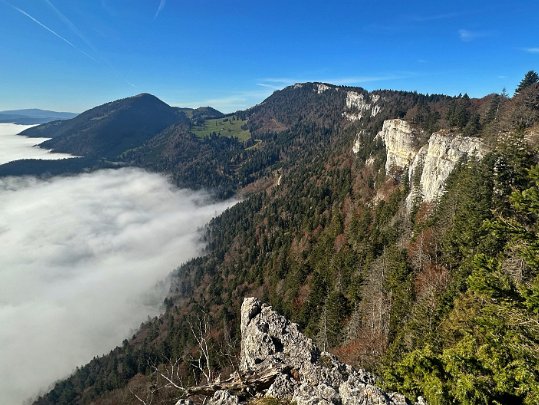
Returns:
<point x="167" y="375"/>
<point x="201" y="332"/>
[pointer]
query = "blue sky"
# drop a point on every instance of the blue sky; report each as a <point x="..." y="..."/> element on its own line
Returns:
<point x="71" y="55"/>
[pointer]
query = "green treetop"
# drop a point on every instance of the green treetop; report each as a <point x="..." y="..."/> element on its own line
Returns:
<point x="530" y="78"/>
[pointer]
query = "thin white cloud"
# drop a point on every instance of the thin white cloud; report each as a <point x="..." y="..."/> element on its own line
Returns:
<point x="405" y="22"/>
<point x="469" y="36"/>
<point x="366" y="79"/>
<point x="162" y="4"/>
<point x="230" y="103"/>
<point x="434" y="17"/>
<point x="50" y="30"/>
<point x="270" y="86"/>
<point x="280" y="82"/>
<point x="84" y="261"/>
<point x="75" y="30"/>
<point x="531" y="50"/>
<point x="246" y="99"/>
<point x="224" y="104"/>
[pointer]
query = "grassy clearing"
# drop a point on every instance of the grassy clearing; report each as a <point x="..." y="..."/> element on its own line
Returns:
<point x="228" y="126"/>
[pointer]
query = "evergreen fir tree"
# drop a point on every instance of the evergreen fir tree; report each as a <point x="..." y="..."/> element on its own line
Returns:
<point x="530" y="78"/>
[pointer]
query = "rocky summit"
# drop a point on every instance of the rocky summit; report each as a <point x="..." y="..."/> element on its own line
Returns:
<point x="279" y="362"/>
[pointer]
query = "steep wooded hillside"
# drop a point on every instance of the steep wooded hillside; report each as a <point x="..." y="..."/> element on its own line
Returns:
<point x="438" y="295"/>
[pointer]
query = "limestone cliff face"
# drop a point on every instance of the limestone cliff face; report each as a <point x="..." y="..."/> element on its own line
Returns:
<point x="436" y="160"/>
<point x="431" y="163"/>
<point x="321" y="87"/>
<point x="401" y="141"/>
<point x="357" y="143"/>
<point x="359" y="105"/>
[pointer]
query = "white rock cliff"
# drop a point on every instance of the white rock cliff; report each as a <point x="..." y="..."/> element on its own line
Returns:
<point x="436" y="160"/>
<point x="401" y="141"/>
<point x="432" y="162"/>
<point x="357" y="106"/>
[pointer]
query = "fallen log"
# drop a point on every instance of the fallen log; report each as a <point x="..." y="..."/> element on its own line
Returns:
<point x="240" y="384"/>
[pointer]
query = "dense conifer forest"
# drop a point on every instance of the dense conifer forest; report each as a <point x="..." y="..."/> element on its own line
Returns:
<point x="440" y="301"/>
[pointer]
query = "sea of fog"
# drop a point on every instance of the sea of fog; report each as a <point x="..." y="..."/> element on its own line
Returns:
<point x="83" y="262"/>
<point x="15" y="147"/>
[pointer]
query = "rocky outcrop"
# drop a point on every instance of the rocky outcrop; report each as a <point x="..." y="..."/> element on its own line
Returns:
<point x="402" y="144"/>
<point x="282" y="363"/>
<point x="359" y="105"/>
<point x="321" y="87"/>
<point x="356" y="147"/>
<point x="436" y="160"/>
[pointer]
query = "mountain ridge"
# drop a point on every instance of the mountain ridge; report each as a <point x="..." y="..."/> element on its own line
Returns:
<point x="325" y="236"/>
<point x="30" y="116"/>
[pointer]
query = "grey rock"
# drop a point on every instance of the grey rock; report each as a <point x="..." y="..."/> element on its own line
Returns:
<point x="283" y="388"/>
<point x="278" y="361"/>
<point x="185" y="402"/>
<point x="307" y="394"/>
<point x="310" y="376"/>
<point x="223" y="398"/>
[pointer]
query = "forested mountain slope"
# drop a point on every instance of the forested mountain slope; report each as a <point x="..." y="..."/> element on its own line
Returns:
<point x="436" y="291"/>
<point x="109" y="129"/>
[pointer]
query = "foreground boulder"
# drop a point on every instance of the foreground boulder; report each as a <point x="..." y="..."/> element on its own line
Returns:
<point x="278" y="361"/>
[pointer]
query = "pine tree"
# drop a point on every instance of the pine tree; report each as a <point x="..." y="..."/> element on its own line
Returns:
<point x="530" y="78"/>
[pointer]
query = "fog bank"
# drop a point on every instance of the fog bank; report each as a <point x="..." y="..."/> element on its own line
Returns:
<point x="16" y="147"/>
<point x="81" y="257"/>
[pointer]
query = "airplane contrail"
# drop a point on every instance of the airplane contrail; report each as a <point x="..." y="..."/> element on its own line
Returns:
<point x="160" y="8"/>
<point x="52" y="31"/>
<point x="35" y="20"/>
<point x="70" y="24"/>
<point x="78" y="33"/>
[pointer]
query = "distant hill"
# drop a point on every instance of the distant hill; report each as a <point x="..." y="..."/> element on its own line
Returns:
<point x="110" y="129"/>
<point x="33" y="116"/>
<point x="200" y="114"/>
<point x="146" y="132"/>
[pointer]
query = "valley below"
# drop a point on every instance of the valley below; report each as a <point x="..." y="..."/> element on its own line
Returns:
<point x="85" y="259"/>
<point x="391" y="227"/>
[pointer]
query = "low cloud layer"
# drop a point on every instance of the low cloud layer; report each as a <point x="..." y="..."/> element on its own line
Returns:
<point x="81" y="265"/>
<point x="15" y="147"/>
